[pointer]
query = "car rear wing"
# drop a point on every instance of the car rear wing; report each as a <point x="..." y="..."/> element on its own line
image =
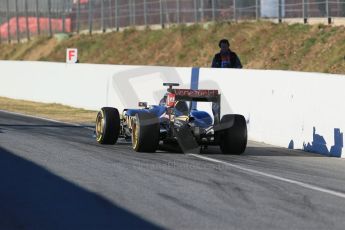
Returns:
<point x="196" y="95"/>
<point x="203" y="95"/>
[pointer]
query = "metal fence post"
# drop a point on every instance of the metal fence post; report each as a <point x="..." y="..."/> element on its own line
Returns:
<point x="17" y="21"/>
<point x="166" y="12"/>
<point x="280" y="11"/>
<point x="78" y="16"/>
<point x="235" y="11"/>
<point x="178" y="11"/>
<point x="329" y="19"/>
<point x="50" y="18"/>
<point x="130" y="12"/>
<point x="38" y="19"/>
<point x="195" y="12"/>
<point x="161" y="13"/>
<point x="27" y="20"/>
<point x="8" y="20"/>
<point x="257" y="10"/>
<point x="102" y="16"/>
<point x="145" y="13"/>
<point x="90" y="17"/>
<point x="117" y="15"/>
<point x="110" y="13"/>
<point x="202" y="10"/>
<point x="305" y="11"/>
<point x="133" y="12"/>
<point x="213" y="10"/>
<point x="63" y="15"/>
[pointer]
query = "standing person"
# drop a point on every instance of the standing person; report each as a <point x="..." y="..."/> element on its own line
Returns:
<point x="226" y="58"/>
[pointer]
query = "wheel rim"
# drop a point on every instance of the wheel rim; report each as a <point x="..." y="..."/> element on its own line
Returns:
<point x="135" y="135"/>
<point x="99" y="126"/>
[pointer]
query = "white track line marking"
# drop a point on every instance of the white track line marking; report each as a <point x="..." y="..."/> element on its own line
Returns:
<point x="46" y="119"/>
<point x="253" y="171"/>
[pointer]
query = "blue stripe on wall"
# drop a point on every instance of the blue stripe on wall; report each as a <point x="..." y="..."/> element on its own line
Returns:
<point x="194" y="84"/>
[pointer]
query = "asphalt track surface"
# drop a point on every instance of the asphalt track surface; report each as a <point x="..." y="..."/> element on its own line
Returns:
<point x="55" y="176"/>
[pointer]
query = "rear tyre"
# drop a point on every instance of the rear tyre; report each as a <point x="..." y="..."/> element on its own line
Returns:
<point x="107" y="126"/>
<point x="233" y="134"/>
<point x="145" y="132"/>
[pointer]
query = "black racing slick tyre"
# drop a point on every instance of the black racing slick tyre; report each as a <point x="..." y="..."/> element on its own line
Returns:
<point x="107" y="126"/>
<point x="145" y="132"/>
<point x="233" y="134"/>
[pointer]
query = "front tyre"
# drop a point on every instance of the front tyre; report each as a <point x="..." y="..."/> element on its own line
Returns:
<point x="233" y="134"/>
<point x="107" y="126"/>
<point x="145" y="132"/>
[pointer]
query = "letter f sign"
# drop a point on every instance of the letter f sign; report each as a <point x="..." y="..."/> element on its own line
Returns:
<point x="72" y="55"/>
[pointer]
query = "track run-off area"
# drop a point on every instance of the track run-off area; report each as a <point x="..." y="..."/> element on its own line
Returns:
<point x="56" y="176"/>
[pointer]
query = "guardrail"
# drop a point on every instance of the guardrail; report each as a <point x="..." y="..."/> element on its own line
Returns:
<point x="295" y="110"/>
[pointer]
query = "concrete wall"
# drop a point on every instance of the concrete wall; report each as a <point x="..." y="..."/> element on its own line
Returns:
<point x="289" y="109"/>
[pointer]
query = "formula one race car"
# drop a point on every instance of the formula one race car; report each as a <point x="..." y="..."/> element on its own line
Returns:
<point x="174" y="122"/>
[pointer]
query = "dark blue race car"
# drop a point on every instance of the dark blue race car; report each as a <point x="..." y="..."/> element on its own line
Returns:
<point x="174" y="122"/>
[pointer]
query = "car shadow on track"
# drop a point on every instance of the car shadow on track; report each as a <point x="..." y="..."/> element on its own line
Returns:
<point x="31" y="197"/>
<point x="164" y="149"/>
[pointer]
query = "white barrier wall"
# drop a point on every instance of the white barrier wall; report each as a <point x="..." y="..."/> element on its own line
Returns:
<point x="85" y="85"/>
<point x="289" y="109"/>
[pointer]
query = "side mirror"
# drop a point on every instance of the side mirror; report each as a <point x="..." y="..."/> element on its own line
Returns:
<point x="142" y="104"/>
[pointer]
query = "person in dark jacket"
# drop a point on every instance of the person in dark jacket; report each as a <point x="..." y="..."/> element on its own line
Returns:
<point x="226" y="58"/>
